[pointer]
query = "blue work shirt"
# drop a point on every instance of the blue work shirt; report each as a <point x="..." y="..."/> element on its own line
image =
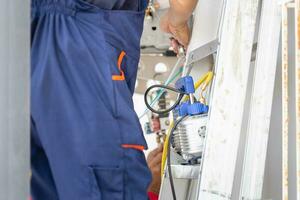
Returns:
<point x="119" y="4"/>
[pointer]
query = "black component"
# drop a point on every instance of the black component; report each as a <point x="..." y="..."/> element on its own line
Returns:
<point x="169" y="157"/>
<point x="194" y="161"/>
<point x="164" y="87"/>
<point x="170" y="53"/>
<point x="162" y="102"/>
<point x="154" y="28"/>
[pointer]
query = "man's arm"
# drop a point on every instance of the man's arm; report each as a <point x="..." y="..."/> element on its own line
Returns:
<point x="154" y="163"/>
<point x="176" y="18"/>
<point x="180" y="11"/>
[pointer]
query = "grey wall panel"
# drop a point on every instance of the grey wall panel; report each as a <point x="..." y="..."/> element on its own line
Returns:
<point x="14" y="99"/>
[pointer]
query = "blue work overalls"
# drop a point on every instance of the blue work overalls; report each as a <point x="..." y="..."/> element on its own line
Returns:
<point x="86" y="141"/>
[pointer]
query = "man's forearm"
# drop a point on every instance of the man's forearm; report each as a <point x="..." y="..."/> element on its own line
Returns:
<point x="181" y="10"/>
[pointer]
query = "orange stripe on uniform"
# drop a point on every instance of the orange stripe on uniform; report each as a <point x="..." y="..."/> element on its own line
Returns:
<point x="120" y="77"/>
<point x="134" y="146"/>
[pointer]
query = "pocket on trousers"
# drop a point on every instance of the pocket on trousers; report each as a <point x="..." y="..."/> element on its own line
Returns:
<point x="119" y="74"/>
<point x="107" y="183"/>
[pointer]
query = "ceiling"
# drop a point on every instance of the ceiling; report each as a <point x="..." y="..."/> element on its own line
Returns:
<point x="154" y="44"/>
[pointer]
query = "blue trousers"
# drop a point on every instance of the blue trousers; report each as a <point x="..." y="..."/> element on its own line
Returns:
<point x="86" y="140"/>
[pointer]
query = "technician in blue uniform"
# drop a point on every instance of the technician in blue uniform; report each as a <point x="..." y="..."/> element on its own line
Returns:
<point x="86" y="141"/>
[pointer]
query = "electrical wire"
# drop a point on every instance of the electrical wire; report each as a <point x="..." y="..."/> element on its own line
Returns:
<point x="165" y="148"/>
<point x="206" y="79"/>
<point x="173" y="75"/>
<point x="164" y="87"/>
<point x="169" y="156"/>
<point x="161" y="91"/>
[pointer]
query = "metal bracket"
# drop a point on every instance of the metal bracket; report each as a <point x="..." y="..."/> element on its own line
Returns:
<point x="202" y="52"/>
<point x="184" y="171"/>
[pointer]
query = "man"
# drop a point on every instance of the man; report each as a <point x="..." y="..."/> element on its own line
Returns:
<point x="86" y="140"/>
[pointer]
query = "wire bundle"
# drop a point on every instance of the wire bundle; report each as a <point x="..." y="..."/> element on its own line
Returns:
<point x="204" y="81"/>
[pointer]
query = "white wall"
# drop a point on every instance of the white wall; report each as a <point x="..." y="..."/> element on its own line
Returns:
<point x="139" y="106"/>
<point x="272" y="185"/>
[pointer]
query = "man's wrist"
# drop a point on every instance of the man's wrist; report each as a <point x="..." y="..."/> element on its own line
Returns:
<point x="175" y="21"/>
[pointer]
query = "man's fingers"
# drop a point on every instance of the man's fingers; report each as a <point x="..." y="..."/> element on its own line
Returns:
<point x="174" y="45"/>
<point x="153" y="153"/>
<point x="160" y="147"/>
<point x="156" y="161"/>
<point x="181" y="34"/>
<point x="183" y="38"/>
<point x="150" y="156"/>
<point x="157" y="169"/>
<point x="157" y="150"/>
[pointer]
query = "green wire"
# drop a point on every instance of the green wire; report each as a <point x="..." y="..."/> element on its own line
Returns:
<point x="161" y="91"/>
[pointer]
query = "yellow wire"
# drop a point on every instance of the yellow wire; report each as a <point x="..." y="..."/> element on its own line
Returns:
<point x="165" y="152"/>
<point x="209" y="75"/>
<point x="206" y="79"/>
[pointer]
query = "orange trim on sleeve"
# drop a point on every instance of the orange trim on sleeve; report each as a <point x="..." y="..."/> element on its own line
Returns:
<point x="134" y="146"/>
<point x="120" y="77"/>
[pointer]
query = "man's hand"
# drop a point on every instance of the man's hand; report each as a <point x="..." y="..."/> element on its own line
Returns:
<point x="175" y="21"/>
<point x="154" y="163"/>
<point x="180" y="32"/>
